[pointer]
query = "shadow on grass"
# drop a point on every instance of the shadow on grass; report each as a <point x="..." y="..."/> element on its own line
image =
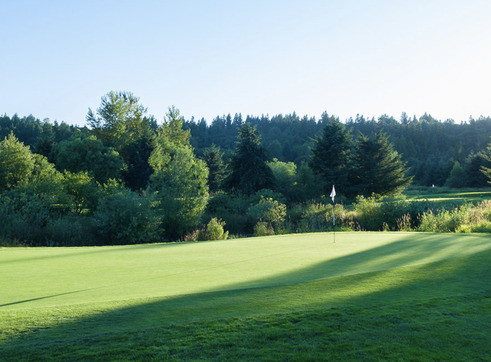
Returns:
<point x="363" y="279"/>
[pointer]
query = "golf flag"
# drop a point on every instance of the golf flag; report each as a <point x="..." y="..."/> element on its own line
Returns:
<point x="332" y="195"/>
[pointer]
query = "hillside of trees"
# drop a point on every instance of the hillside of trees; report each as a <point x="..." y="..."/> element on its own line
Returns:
<point x="431" y="148"/>
<point x="126" y="178"/>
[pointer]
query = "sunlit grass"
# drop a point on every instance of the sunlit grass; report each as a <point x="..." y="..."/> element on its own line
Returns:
<point x="296" y="296"/>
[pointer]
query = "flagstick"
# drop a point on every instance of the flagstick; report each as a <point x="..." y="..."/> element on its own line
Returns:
<point x="333" y="222"/>
<point x="333" y="195"/>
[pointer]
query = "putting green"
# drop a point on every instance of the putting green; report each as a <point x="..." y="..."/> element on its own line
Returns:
<point x="59" y="277"/>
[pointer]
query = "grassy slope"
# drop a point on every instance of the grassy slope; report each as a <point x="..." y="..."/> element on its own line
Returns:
<point x="298" y="296"/>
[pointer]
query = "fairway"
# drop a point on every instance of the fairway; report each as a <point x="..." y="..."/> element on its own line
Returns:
<point x="62" y="294"/>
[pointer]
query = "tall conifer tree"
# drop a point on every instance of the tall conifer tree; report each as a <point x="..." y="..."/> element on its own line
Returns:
<point x="330" y="155"/>
<point x="248" y="169"/>
<point x="377" y="168"/>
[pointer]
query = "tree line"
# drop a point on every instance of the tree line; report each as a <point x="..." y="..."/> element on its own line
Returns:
<point x="125" y="178"/>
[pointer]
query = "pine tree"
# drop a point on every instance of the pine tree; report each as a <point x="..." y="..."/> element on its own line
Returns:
<point x="213" y="158"/>
<point x="248" y="169"/>
<point x="377" y="168"/>
<point x="487" y="170"/>
<point x="330" y="155"/>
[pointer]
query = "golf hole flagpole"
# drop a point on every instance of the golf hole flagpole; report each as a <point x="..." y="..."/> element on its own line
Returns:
<point x="333" y="195"/>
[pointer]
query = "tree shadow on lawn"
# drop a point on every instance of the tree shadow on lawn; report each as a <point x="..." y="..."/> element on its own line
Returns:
<point x="364" y="279"/>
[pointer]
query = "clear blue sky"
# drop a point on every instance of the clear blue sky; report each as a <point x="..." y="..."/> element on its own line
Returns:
<point x="209" y="58"/>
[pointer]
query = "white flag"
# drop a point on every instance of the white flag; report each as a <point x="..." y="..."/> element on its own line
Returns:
<point x="333" y="193"/>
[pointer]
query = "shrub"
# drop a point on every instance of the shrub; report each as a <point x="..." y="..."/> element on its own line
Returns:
<point x="267" y="210"/>
<point x="24" y="217"/>
<point x="126" y="218"/>
<point x="263" y="228"/>
<point x="214" y="231"/>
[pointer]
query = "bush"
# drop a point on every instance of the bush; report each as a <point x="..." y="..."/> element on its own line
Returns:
<point x="24" y="217"/>
<point x="232" y="209"/>
<point x="262" y="229"/>
<point x="214" y="231"/>
<point x="467" y="218"/>
<point x="317" y="216"/>
<point x="374" y="214"/>
<point x="70" y="230"/>
<point x="126" y="218"/>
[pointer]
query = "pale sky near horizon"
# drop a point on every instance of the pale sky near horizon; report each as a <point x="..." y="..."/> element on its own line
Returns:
<point x="210" y="58"/>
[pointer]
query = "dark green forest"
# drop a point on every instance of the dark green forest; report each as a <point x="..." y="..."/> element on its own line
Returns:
<point x="431" y="148"/>
<point x="125" y="177"/>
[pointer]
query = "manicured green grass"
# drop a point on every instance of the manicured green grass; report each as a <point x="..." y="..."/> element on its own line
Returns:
<point x="366" y="296"/>
<point x="445" y="194"/>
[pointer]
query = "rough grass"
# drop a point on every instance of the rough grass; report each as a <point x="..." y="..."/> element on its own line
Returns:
<point x="367" y="296"/>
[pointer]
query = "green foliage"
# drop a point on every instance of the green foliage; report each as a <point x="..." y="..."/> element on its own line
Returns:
<point x="16" y="163"/>
<point x="248" y="169"/>
<point x="83" y="191"/>
<point x="267" y="210"/>
<point x="317" y="216"/>
<point x="24" y="217"/>
<point x="126" y="218"/>
<point x="172" y="129"/>
<point x="181" y="189"/>
<point x="213" y="158"/>
<point x="232" y="209"/>
<point x="263" y="229"/>
<point x="466" y="218"/>
<point x="330" y="155"/>
<point x="119" y="120"/>
<point x="456" y="177"/>
<point x="285" y="174"/>
<point x="214" y="230"/>
<point x="377" y="168"/>
<point x="487" y="170"/>
<point x="84" y="152"/>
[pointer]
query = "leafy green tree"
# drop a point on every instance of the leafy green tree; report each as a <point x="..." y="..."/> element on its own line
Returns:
<point x="249" y="171"/>
<point x="377" y="168"/>
<point x="83" y="191"/>
<point x="285" y="174"/>
<point x="181" y="189"/>
<point x="84" y="152"/>
<point x="137" y="155"/>
<point x="16" y="163"/>
<point x="308" y="187"/>
<point x="172" y="128"/>
<point x="121" y="122"/>
<point x="330" y="155"/>
<point x="213" y="158"/>
<point x="179" y="178"/>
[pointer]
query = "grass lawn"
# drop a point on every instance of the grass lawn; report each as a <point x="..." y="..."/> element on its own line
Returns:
<point x="301" y="296"/>
<point x="445" y="194"/>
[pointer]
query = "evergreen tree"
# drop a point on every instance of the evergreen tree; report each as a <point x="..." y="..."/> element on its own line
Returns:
<point x="330" y="155"/>
<point x="377" y="168"/>
<point x="457" y="176"/>
<point x="213" y="158"/>
<point x="248" y="169"/>
<point x="487" y="170"/>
